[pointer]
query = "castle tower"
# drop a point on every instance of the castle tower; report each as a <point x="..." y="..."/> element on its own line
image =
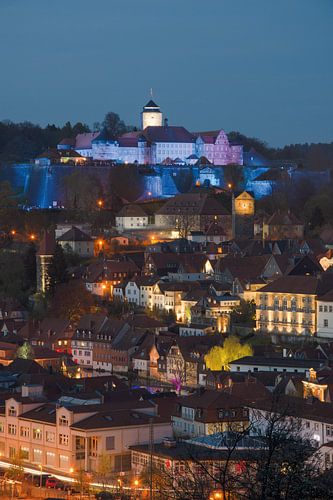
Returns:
<point x="151" y="115"/>
<point x="242" y="215"/>
<point x="43" y="260"/>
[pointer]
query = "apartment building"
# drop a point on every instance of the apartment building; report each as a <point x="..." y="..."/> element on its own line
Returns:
<point x="208" y="412"/>
<point x="69" y="438"/>
<point x="325" y="315"/>
<point x="288" y="304"/>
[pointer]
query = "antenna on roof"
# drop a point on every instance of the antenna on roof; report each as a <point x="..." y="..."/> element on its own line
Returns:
<point x="151" y="92"/>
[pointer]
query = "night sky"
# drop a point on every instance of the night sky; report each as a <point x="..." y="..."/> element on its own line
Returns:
<point x="263" y="67"/>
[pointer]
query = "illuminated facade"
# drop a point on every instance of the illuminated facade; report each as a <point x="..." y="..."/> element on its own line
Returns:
<point x="151" y="115"/>
<point x="288" y="304"/>
<point x="325" y="316"/>
<point x="243" y="208"/>
<point x="286" y="313"/>
<point x="156" y="143"/>
<point x="68" y="439"/>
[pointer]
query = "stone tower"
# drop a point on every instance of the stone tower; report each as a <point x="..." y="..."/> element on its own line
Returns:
<point x="43" y="260"/>
<point x="242" y="215"/>
<point x="151" y="115"/>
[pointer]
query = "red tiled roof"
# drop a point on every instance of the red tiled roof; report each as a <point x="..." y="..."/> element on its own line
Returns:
<point x="83" y="141"/>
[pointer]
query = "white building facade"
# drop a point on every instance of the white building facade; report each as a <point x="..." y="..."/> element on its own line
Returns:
<point x="158" y="143"/>
<point x="325" y="316"/>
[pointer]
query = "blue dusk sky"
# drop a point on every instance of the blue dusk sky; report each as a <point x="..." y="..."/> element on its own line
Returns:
<point x="263" y="67"/>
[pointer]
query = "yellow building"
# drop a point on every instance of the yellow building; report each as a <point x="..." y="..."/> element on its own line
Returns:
<point x="288" y="304"/>
<point x="243" y="209"/>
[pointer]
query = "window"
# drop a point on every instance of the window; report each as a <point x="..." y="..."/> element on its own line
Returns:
<point x="12" y="411"/>
<point x="37" y="455"/>
<point x="63" y="420"/>
<point x="37" y="434"/>
<point x="122" y="463"/>
<point x="50" y="437"/>
<point x="24" y="431"/>
<point x="24" y="453"/>
<point x="12" y="429"/>
<point x="2" y="427"/>
<point x="93" y="446"/>
<point x="63" y="462"/>
<point x="325" y="323"/>
<point x="109" y="443"/>
<point x="63" y="439"/>
<point x="12" y="452"/>
<point x="50" y="458"/>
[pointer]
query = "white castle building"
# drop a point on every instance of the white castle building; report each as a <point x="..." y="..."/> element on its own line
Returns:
<point x="158" y="143"/>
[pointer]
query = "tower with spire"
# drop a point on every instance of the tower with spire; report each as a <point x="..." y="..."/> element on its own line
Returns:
<point x="151" y="115"/>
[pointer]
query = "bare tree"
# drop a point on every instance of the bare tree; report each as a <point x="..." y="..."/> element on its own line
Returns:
<point x="271" y="459"/>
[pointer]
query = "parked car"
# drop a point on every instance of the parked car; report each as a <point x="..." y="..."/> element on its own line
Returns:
<point x="37" y="480"/>
<point x="54" y="483"/>
<point x="104" y="495"/>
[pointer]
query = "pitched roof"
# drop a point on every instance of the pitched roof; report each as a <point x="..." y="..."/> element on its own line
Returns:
<point x="151" y="104"/>
<point x="132" y="210"/>
<point x="74" y="234"/>
<point x="92" y="322"/>
<point x="283" y="219"/>
<point x="196" y="203"/>
<point x="83" y="141"/>
<point x="44" y="413"/>
<point x="244" y="268"/>
<point x="128" y="142"/>
<point x="311" y="285"/>
<point x="168" y="134"/>
<point x="116" y="418"/>
<point x="67" y="142"/>
<point x="20" y="365"/>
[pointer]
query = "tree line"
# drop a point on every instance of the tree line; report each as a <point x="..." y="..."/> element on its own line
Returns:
<point x="20" y="142"/>
<point x="23" y="141"/>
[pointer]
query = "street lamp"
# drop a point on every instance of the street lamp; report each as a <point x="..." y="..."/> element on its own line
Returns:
<point x="41" y="475"/>
<point x="136" y="484"/>
<point x="32" y="237"/>
<point x="100" y="203"/>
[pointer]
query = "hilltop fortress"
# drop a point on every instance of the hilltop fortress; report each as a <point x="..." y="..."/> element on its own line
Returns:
<point x="157" y="143"/>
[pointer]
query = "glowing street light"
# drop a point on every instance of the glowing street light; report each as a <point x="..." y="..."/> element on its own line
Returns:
<point x="32" y="237"/>
<point x="229" y="185"/>
<point x="13" y="232"/>
<point x="100" y="203"/>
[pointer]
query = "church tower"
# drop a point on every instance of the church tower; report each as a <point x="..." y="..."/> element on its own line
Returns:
<point x="151" y="115"/>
